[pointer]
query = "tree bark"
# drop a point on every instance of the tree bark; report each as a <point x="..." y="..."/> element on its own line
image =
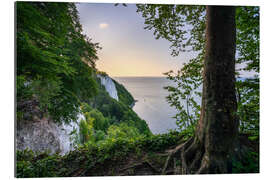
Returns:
<point x="211" y="148"/>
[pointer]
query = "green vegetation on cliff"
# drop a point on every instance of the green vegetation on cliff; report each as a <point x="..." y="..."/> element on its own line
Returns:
<point x="91" y="159"/>
<point x="55" y="61"/>
<point x="56" y="69"/>
<point x="118" y="111"/>
<point x="123" y="95"/>
<point x="122" y="154"/>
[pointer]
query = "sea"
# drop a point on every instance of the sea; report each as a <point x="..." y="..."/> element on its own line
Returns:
<point x="151" y="102"/>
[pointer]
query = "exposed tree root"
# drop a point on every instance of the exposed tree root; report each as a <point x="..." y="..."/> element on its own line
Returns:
<point x="191" y="157"/>
<point x="144" y="163"/>
<point x="132" y="166"/>
<point x="176" y="167"/>
<point x="79" y="172"/>
<point x="157" y="170"/>
<point x="174" y="154"/>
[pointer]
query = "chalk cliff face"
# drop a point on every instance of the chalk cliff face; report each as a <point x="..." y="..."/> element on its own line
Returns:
<point x="44" y="134"/>
<point x="38" y="135"/>
<point x="109" y="85"/>
<point x="39" y="132"/>
<point x="67" y="134"/>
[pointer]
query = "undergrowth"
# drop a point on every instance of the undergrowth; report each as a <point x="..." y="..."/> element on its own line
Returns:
<point x="86" y="158"/>
<point x="103" y="158"/>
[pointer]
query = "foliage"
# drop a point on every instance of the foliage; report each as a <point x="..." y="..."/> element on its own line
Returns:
<point x="169" y="22"/>
<point x="186" y="94"/>
<point x="248" y="106"/>
<point x="112" y="151"/>
<point x="45" y="90"/>
<point x="117" y="111"/>
<point x="122" y="130"/>
<point x="248" y="164"/>
<point x="85" y="107"/>
<point x="31" y="164"/>
<point x="55" y="61"/>
<point x="160" y="142"/>
<point x="184" y="27"/>
<point x="86" y="131"/>
<point x="248" y="37"/>
<point x="91" y="156"/>
<point x="98" y="121"/>
<point x="123" y="95"/>
<point x="102" y="73"/>
<point x="248" y="90"/>
<point x="94" y="126"/>
<point x="56" y="65"/>
<point x="23" y="89"/>
<point x="117" y="119"/>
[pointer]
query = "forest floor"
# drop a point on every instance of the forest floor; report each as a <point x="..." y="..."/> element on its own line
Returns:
<point x="122" y="159"/>
<point x="153" y="163"/>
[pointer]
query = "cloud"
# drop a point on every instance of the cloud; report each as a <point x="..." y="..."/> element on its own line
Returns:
<point x="103" y="25"/>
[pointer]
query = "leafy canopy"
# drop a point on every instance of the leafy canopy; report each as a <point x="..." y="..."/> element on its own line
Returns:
<point x="55" y="61"/>
<point x="184" y="27"/>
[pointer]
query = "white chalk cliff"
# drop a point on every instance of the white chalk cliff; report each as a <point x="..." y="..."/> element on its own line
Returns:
<point x="109" y="85"/>
<point x="41" y="133"/>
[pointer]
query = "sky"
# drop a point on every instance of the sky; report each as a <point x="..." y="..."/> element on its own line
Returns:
<point x="127" y="48"/>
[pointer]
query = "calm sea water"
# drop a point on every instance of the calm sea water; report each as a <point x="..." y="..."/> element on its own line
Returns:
<point x="152" y="105"/>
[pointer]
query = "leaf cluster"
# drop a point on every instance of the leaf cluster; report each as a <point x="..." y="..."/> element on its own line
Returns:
<point x="184" y="27"/>
<point x="55" y="61"/>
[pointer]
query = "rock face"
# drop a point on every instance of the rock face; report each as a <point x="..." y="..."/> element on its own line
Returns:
<point x="41" y="133"/>
<point x="66" y="139"/>
<point x="109" y="85"/>
<point x="44" y="134"/>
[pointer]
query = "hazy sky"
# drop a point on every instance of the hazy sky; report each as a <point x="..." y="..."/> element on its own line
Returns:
<point x="127" y="48"/>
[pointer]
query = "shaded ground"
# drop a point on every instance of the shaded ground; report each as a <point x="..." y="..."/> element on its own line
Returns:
<point x="150" y="156"/>
<point x="153" y="163"/>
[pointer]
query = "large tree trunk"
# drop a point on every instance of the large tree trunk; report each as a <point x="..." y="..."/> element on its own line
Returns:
<point x="211" y="148"/>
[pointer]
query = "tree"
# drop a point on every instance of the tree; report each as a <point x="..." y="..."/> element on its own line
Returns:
<point x="209" y="151"/>
<point x="188" y="80"/>
<point x="218" y="125"/>
<point x="170" y="22"/>
<point x="55" y="61"/>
